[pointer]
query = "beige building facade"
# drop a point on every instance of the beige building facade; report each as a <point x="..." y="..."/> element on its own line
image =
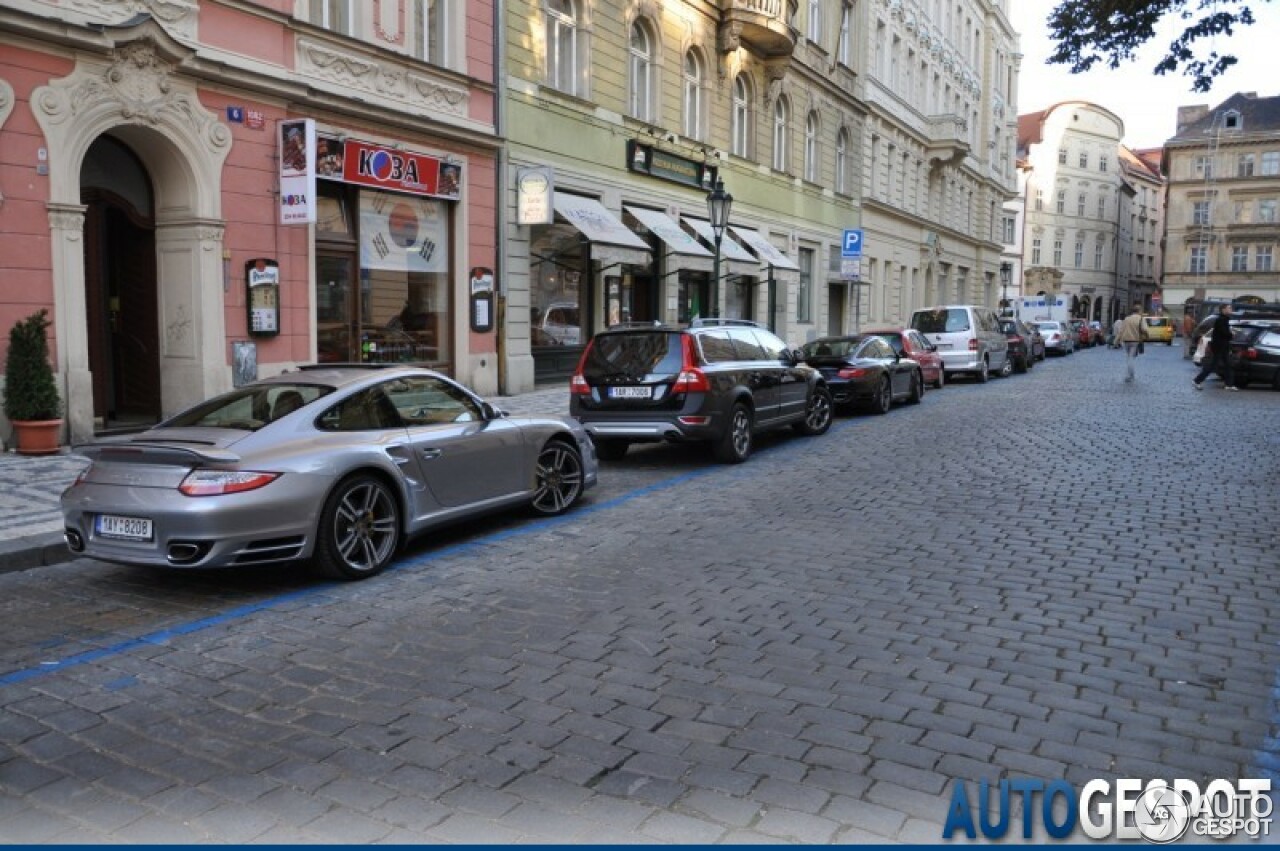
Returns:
<point x="938" y="143"/>
<point x="1222" y="230"/>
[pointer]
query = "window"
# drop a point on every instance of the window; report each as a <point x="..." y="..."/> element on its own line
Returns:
<point x="1102" y="206"/>
<point x="1271" y="163"/>
<point x="425" y="401"/>
<point x="1239" y="258"/>
<point x="1080" y="202"/>
<point x="694" y="100"/>
<point x="1199" y="260"/>
<point x="1062" y="156"/>
<point x="333" y="15"/>
<point x="741" y="117"/>
<point x="815" y="21"/>
<point x="1244" y="165"/>
<point x="1007" y="225"/>
<point x="1057" y="252"/>
<point x="781" y="128"/>
<point x="846" y="26"/>
<point x="429" y="31"/>
<point x="1267" y="210"/>
<point x="1062" y="200"/>
<point x="1084" y="159"/>
<point x="1262" y="258"/>
<point x="1035" y="251"/>
<point x="1039" y="199"/>
<point x="1103" y="162"/>
<point x="804" y="292"/>
<point x="811" y="148"/>
<point x="562" y="46"/>
<point x="842" y="161"/>
<point x="1200" y="213"/>
<point x="1203" y="166"/>
<point x="641" y="72"/>
<point x="1097" y="254"/>
<point x="1079" y="253"/>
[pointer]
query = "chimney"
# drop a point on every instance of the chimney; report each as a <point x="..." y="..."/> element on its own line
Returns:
<point x="1188" y="115"/>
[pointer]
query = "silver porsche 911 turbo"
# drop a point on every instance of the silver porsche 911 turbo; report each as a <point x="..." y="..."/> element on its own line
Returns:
<point x="339" y="464"/>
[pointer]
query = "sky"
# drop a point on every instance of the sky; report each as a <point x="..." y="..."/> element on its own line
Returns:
<point x="1147" y="103"/>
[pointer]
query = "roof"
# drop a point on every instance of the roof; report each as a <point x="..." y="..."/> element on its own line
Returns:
<point x="1257" y="114"/>
<point x="1131" y="162"/>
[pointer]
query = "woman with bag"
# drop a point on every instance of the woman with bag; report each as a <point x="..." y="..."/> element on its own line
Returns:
<point x="1132" y="332"/>
<point x="1219" y="357"/>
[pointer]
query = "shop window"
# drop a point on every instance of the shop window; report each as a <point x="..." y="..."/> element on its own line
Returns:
<point x="557" y="287"/>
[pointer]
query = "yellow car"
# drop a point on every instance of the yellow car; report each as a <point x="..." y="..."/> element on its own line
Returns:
<point x="1159" y="329"/>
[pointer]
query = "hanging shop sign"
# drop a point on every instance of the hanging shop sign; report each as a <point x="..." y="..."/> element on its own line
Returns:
<point x="297" y="171"/>
<point x="534" y="190"/>
<point x="646" y="159"/>
<point x="367" y="164"/>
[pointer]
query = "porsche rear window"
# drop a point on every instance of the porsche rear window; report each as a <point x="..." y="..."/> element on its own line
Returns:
<point x="249" y="408"/>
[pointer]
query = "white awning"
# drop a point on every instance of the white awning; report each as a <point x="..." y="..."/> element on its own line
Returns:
<point x="729" y="249"/>
<point x="611" y="241"/>
<point x="764" y="249"/>
<point x="690" y="253"/>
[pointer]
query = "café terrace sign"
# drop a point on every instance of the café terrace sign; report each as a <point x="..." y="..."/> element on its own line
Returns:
<point x="646" y="159"/>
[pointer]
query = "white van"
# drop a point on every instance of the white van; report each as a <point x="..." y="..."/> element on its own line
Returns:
<point x="967" y="336"/>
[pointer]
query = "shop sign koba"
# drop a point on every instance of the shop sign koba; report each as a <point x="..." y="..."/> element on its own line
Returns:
<point x="647" y="159"/>
<point x="381" y="167"/>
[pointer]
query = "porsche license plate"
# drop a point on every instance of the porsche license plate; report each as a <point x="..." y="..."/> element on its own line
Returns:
<point x="125" y="528"/>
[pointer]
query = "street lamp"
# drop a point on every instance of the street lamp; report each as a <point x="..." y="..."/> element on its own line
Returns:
<point x="1006" y="273"/>
<point x="719" y="204"/>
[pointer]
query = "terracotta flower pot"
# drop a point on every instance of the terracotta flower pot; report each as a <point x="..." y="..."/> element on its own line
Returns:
<point x="37" y="437"/>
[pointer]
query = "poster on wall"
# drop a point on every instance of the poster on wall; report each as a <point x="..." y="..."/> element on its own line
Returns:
<point x="297" y="139"/>
<point x="402" y="233"/>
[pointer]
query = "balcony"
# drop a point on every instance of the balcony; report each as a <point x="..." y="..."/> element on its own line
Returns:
<point x="759" y="25"/>
<point x="947" y="143"/>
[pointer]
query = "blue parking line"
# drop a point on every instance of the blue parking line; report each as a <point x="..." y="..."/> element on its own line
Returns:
<point x="162" y="636"/>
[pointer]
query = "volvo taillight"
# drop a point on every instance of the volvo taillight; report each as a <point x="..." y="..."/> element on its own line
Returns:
<point x="691" y="379"/>
<point x="578" y="383"/>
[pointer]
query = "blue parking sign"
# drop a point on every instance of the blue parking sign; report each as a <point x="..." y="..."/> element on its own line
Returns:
<point x="852" y="245"/>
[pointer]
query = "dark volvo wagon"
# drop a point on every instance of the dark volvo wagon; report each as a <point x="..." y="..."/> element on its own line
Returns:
<point x="719" y="380"/>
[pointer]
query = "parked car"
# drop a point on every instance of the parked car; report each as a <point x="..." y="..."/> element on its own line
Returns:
<point x="967" y="336"/>
<point x="1081" y="332"/>
<point x="1098" y="332"/>
<point x="1160" y="329"/>
<point x="864" y="369"/>
<point x="719" y="380"/>
<point x="1057" y="337"/>
<point x="336" y="464"/>
<point x="1255" y="353"/>
<point x="558" y="325"/>
<point x="1037" y="340"/>
<point x="1021" y="343"/>
<point x="910" y="343"/>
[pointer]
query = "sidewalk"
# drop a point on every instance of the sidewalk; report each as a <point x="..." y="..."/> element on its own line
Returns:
<point x="31" y="521"/>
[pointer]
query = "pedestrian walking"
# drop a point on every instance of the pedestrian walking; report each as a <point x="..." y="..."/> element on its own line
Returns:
<point x="1114" y="342"/>
<point x="1219" y="359"/>
<point x="1132" y="333"/>
<point x="1188" y="329"/>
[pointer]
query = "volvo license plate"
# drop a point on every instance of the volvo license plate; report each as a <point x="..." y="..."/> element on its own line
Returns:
<point x="630" y="392"/>
<point x="124" y="528"/>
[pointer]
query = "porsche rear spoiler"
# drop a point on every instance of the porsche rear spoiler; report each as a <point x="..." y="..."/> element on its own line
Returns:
<point x="155" y="453"/>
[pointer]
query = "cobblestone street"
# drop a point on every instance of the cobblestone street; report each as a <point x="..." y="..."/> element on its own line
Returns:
<point x="1055" y="575"/>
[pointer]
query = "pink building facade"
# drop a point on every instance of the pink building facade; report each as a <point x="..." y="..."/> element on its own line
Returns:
<point x="150" y="197"/>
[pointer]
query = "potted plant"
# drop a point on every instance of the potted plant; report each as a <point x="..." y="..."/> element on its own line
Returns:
<point x="30" y="394"/>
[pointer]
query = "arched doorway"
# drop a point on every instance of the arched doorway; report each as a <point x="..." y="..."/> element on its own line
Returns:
<point x="120" y="287"/>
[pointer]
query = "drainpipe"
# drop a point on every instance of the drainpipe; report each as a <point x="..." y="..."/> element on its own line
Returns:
<point x="500" y="180"/>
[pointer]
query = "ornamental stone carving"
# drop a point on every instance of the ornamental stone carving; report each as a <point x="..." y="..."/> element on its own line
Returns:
<point x="138" y="87"/>
<point x="178" y="17"/>
<point x="329" y="62"/>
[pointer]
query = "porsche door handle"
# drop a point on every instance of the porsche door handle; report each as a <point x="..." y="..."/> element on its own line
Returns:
<point x="431" y="454"/>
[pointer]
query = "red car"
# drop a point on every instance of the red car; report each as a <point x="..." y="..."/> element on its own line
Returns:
<point x="1084" y="334"/>
<point x="908" y="342"/>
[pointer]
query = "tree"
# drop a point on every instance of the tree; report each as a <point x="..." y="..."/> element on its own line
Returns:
<point x="1092" y="31"/>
